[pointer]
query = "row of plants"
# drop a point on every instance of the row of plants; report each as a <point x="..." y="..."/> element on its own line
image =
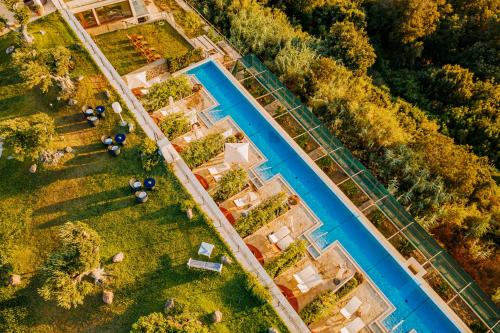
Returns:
<point x="233" y="182"/>
<point x="174" y="125"/>
<point x="203" y="150"/>
<point x="178" y="62"/>
<point x="159" y="94"/>
<point x="287" y="259"/>
<point x="264" y="213"/>
<point x="322" y="305"/>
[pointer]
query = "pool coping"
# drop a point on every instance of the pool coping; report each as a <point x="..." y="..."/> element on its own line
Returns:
<point x="438" y="301"/>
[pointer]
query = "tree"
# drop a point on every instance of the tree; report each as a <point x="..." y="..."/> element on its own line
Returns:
<point x="452" y="84"/>
<point x="44" y="68"/>
<point x="28" y="137"/>
<point x="157" y="322"/>
<point x="22" y="14"/>
<point x="3" y="23"/>
<point x="64" y="271"/>
<point x="351" y="46"/>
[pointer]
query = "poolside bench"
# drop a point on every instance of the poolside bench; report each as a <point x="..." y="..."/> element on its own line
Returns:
<point x="205" y="265"/>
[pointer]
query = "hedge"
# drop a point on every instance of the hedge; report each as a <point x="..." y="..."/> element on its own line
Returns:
<point x="322" y="305"/>
<point x="203" y="150"/>
<point x="150" y="155"/>
<point x="175" y="125"/>
<point x="287" y="259"/>
<point x="259" y="292"/>
<point x="262" y="214"/>
<point x="175" y="63"/>
<point x="159" y="94"/>
<point x="232" y="182"/>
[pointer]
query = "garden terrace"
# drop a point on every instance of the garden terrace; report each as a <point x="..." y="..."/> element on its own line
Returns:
<point x="90" y="186"/>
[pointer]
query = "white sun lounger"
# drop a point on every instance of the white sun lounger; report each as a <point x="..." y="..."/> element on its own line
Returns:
<point x="278" y="235"/>
<point x="351" y="307"/>
<point x="246" y="200"/>
<point x="307" y="278"/>
<point x="218" y="169"/>
<point x="354" y="326"/>
<point x="285" y="242"/>
<point x="205" y="265"/>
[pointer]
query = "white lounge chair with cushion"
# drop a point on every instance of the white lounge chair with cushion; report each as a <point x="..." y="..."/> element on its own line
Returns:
<point x="354" y="326"/>
<point x="285" y="242"/>
<point x="251" y="197"/>
<point x="307" y="278"/>
<point x="351" y="307"/>
<point x="218" y="169"/>
<point x="205" y="265"/>
<point x="278" y="235"/>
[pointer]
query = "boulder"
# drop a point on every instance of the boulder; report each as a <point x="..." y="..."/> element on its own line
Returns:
<point x="33" y="168"/>
<point x="51" y="157"/>
<point x="226" y="260"/>
<point x="107" y="296"/>
<point x="80" y="78"/>
<point x="118" y="257"/>
<point x="169" y="305"/>
<point x="72" y="102"/>
<point x="131" y="127"/>
<point x="42" y="32"/>
<point x="68" y="150"/>
<point x="272" y="330"/>
<point x="10" y="49"/>
<point x="15" y="280"/>
<point x="216" y="317"/>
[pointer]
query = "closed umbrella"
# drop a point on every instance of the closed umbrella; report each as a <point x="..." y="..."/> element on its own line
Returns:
<point x="236" y="152"/>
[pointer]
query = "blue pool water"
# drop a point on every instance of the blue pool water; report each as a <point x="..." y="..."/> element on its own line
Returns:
<point x="414" y="309"/>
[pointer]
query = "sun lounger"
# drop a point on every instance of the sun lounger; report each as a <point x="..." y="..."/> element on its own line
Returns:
<point x="218" y="169"/>
<point x="354" y="326"/>
<point x="248" y="199"/>
<point x="307" y="278"/>
<point x="205" y="265"/>
<point x="351" y="307"/>
<point x="278" y="235"/>
<point x="197" y="134"/>
<point x="285" y="242"/>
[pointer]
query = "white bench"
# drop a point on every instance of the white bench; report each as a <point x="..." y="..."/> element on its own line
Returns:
<point x="205" y="265"/>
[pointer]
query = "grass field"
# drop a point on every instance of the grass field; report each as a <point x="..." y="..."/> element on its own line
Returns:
<point x="92" y="187"/>
<point x="125" y="58"/>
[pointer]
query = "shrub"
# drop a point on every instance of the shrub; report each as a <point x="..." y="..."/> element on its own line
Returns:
<point x="6" y="270"/>
<point x="158" y="95"/>
<point x="157" y="322"/>
<point x="322" y="304"/>
<point x="262" y="214"/>
<point x="175" y="63"/>
<point x="253" y="286"/>
<point x="150" y="155"/>
<point x="175" y="125"/>
<point x="231" y="183"/>
<point x="287" y="259"/>
<point x="201" y="151"/>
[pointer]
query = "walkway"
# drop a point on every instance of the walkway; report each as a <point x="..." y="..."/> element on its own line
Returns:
<point x="227" y="232"/>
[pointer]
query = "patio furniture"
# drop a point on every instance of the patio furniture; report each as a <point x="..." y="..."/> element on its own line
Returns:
<point x="227" y="133"/>
<point x="218" y="169"/>
<point x="149" y="183"/>
<point x="88" y="113"/>
<point x="285" y="242"/>
<point x="120" y="138"/>
<point x="100" y="111"/>
<point x="197" y="134"/>
<point x="278" y="235"/>
<point x="206" y="249"/>
<point x="141" y="196"/>
<point x="307" y="278"/>
<point x="114" y="150"/>
<point x="205" y="265"/>
<point x="342" y="270"/>
<point x="248" y="199"/>
<point x="354" y="326"/>
<point x="106" y="140"/>
<point x="351" y="307"/>
<point x="135" y="184"/>
<point x="236" y="152"/>
<point x="93" y="120"/>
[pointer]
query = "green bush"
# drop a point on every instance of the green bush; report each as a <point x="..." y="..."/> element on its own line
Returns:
<point x="232" y="182"/>
<point x="157" y="322"/>
<point x="323" y="304"/>
<point x="149" y="154"/>
<point x="263" y="214"/>
<point x="201" y="151"/>
<point x="175" y="63"/>
<point x="6" y="270"/>
<point x="158" y="96"/>
<point x="253" y="286"/>
<point x="175" y="125"/>
<point x="287" y="259"/>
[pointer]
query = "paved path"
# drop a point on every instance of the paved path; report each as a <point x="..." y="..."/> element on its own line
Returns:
<point x="230" y="236"/>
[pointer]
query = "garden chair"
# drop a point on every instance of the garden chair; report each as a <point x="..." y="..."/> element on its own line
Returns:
<point x="218" y="169"/>
<point x="248" y="199"/>
<point x="307" y="278"/>
<point x="351" y="307"/>
<point x="285" y="242"/>
<point x="205" y="265"/>
<point x="354" y="326"/>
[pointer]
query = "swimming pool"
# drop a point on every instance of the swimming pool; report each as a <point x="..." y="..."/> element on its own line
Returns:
<point x="414" y="309"/>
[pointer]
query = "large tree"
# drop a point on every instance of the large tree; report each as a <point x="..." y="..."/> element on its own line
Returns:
<point x="22" y="14"/>
<point x="45" y="68"/>
<point x="27" y="137"/>
<point x="66" y="269"/>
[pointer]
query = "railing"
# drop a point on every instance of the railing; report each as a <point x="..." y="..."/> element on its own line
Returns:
<point x="459" y="280"/>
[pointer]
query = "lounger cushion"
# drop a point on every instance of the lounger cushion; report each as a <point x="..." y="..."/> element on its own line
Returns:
<point x="351" y="307"/>
<point x="285" y="242"/>
<point x="276" y="236"/>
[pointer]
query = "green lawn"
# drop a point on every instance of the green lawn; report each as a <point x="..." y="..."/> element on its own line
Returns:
<point x="125" y="58"/>
<point x="92" y="187"/>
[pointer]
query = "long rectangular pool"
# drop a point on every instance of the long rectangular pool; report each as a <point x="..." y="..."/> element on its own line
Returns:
<point x="413" y="307"/>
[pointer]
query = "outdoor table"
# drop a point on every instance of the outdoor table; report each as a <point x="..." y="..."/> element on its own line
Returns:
<point x="114" y="150"/>
<point x="149" y="183"/>
<point x="206" y="249"/>
<point x="93" y="120"/>
<point x="120" y="138"/>
<point x="100" y="111"/>
<point x="141" y="196"/>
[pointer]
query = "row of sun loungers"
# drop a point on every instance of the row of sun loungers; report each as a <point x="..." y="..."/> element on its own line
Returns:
<point x="281" y="238"/>
<point x="307" y="278"/>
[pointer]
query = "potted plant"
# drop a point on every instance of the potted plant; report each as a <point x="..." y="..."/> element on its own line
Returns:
<point x="239" y="136"/>
<point x="293" y="200"/>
